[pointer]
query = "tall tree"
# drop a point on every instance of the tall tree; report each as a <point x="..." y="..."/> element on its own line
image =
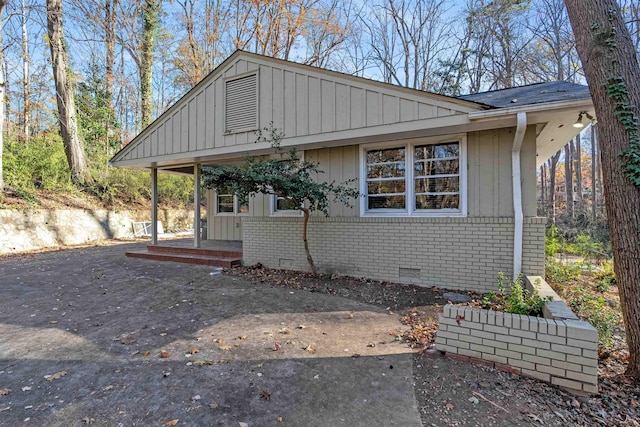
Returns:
<point x="65" y="96"/>
<point x="568" y="177"/>
<point x="553" y="166"/>
<point x="3" y="3"/>
<point x="151" y="18"/>
<point x="26" y="62"/>
<point x="611" y="66"/>
<point x="577" y="159"/>
<point x="111" y="7"/>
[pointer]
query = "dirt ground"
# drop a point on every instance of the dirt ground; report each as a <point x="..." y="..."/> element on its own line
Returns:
<point x="89" y="337"/>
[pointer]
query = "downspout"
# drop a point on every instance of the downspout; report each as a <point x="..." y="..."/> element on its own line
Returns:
<point x="517" y="193"/>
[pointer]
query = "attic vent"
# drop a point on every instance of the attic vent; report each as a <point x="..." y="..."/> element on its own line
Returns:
<point x="241" y="104"/>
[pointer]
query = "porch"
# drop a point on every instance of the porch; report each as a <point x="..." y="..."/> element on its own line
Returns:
<point x="218" y="253"/>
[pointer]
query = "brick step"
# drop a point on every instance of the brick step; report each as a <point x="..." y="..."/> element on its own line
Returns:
<point x="217" y="261"/>
<point x="194" y="251"/>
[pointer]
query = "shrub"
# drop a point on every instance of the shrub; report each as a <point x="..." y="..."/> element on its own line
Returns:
<point x="517" y="301"/>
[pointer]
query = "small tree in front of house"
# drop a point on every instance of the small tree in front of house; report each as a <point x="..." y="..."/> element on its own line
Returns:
<point x="284" y="175"/>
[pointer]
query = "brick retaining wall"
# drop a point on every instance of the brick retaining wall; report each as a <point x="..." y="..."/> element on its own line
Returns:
<point x="557" y="350"/>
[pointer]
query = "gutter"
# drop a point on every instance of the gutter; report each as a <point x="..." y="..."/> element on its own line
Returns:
<point x="517" y="193"/>
<point x="531" y="108"/>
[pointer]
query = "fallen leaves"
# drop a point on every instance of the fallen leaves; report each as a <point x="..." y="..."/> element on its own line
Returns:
<point x="225" y="347"/>
<point x="127" y="341"/>
<point x="164" y="354"/>
<point x="56" y="376"/>
<point x="172" y="423"/>
<point x="265" y="395"/>
<point x="310" y="349"/>
<point x="4" y="391"/>
<point x="194" y="351"/>
<point x="276" y="346"/>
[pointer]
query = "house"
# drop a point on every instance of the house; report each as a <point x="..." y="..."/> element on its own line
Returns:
<point x="448" y="184"/>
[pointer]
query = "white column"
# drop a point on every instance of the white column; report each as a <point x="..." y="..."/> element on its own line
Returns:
<point x="196" y="205"/>
<point x="154" y="206"/>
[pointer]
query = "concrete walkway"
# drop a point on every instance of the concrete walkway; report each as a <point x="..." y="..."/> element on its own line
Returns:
<point x="83" y="331"/>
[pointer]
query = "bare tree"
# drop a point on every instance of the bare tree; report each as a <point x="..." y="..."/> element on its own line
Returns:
<point x="65" y="96"/>
<point x="553" y="166"/>
<point x="3" y="3"/>
<point x="26" y="62"/>
<point x="150" y="16"/>
<point x="568" y="176"/>
<point x="611" y="66"/>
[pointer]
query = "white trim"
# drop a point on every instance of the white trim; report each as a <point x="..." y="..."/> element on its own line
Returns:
<point x="236" y="206"/>
<point x="272" y="201"/>
<point x="410" y="193"/>
<point x="543" y="107"/>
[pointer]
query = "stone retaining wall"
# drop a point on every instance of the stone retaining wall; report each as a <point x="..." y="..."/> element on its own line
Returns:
<point x="35" y="229"/>
<point x="556" y="349"/>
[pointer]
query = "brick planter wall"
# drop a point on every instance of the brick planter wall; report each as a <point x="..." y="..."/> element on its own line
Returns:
<point x="561" y="351"/>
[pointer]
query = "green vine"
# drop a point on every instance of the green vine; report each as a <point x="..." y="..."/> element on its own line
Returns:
<point x="623" y="109"/>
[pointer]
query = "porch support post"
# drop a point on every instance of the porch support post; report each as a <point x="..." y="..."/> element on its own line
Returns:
<point x="196" y="205"/>
<point x="154" y="206"/>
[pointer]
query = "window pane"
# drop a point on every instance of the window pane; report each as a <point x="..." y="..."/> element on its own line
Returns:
<point x="225" y="203"/>
<point x="386" y="187"/>
<point x="386" y="155"/>
<point x="385" y="202"/>
<point x="389" y="170"/>
<point x="437" y="167"/>
<point x="449" y="201"/>
<point x="285" y="205"/>
<point x="433" y="151"/>
<point x="438" y="185"/>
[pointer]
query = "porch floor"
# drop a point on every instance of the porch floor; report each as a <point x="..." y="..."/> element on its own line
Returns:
<point x="219" y="253"/>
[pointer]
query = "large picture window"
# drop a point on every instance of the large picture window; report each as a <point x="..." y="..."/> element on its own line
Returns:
<point x="421" y="178"/>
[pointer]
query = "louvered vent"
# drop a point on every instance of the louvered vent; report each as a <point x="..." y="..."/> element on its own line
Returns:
<point x="241" y="104"/>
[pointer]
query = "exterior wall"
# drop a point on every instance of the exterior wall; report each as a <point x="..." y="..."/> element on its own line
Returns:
<point x="453" y="253"/>
<point x="299" y="100"/>
<point x="34" y="229"/>
<point x="559" y="348"/>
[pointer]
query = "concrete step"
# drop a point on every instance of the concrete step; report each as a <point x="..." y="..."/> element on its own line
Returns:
<point x="186" y="258"/>
<point x="194" y="251"/>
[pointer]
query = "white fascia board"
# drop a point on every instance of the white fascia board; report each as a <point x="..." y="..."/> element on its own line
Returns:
<point x="532" y="108"/>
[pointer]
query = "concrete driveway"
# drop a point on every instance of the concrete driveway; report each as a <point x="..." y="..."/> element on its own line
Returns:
<point x="89" y="337"/>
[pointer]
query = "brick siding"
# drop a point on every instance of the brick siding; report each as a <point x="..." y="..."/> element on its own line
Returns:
<point x="453" y="253"/>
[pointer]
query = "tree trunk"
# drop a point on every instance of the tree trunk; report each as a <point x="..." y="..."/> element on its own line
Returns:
<point x="150" y="12"/>
<point x="553" y="164"/>
<point x="3" y="3"/>
<point x="611" y="67"/>
<point x="111" y="7"/>
<point x="594" y="196"/>
<point x="26" y="60"/>
<point x="65" y="96"/>
<point x="306" y="243"/>
<point x="578" y="168"/>
<point x="568" y="177"/>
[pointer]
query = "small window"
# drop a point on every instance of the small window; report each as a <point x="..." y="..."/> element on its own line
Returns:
<point x="228" y="204"/>
<point x="225" y="201"/>
<point x="241" y="103"/>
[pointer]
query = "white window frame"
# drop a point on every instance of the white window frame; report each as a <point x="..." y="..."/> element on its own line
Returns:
<point x="236" y="207"/>
<point x="409" y="210"/>
<point x="274" y="211"/>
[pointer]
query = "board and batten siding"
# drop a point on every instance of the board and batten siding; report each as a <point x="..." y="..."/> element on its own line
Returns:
<point x="300" y="101"/>
<point x="489" y="189"/>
